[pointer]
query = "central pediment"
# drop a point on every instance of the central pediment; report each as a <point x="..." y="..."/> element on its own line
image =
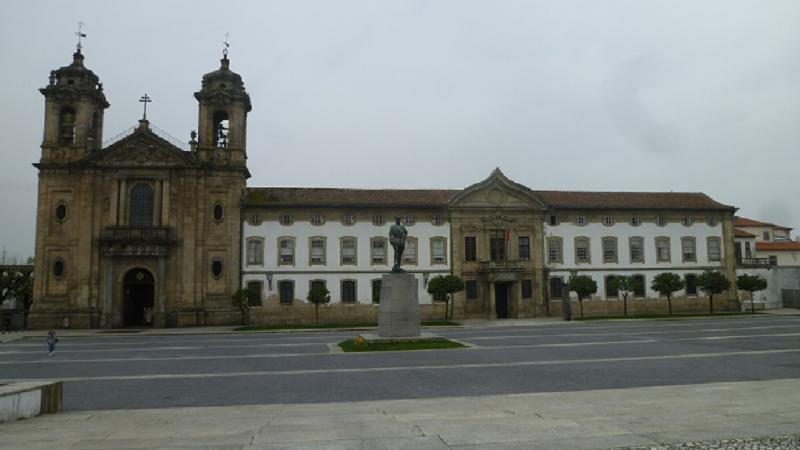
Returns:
<point x="142" y="148"/>
<point x="497" y="191"/>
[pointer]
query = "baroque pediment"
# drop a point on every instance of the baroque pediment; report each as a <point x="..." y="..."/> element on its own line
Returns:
<point x="497" y="191"/>
<point x="142" y="148"/>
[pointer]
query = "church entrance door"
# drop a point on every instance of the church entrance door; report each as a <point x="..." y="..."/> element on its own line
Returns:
<point x="138" y="298"/>
<point x="501" y="291"/>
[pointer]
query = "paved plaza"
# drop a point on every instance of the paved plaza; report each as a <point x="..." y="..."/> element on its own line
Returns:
<point x="547" y="385"/>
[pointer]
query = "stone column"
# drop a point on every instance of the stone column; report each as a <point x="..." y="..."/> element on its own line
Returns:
<point x="107" y="316"/>
<point x="492" y="305"/>
<point x="160" y="320"/>
<point x="123" y="190"/>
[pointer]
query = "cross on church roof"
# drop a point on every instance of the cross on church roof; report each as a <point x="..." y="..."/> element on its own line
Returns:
<point x="80" y="35"/>
<point x="145" y="99"/>
<point x="226" y="44"/>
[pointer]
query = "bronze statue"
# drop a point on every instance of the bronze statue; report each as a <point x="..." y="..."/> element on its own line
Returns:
<point x="397" y="237"/>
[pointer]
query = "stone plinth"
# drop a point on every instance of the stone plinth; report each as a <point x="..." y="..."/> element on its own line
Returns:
<point x="398" y="314"/>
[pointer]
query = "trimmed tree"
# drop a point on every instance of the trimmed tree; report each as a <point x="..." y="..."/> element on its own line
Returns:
<point x="712" y="283"/>
<point x="625" y="285"/>
<point x="444" y="286"/>
<point x="751" y="284"/>
<point x="583" y="286"/>
<point x="318" y="295"/>
<point x="241" y="300"/>
<point x="665" y="284"/>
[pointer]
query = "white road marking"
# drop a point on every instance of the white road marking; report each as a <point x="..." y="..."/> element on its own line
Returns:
<point x="713" y="338"/>
<point x="362" y="370"/>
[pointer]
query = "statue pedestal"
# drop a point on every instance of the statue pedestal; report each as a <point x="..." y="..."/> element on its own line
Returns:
<point x="398" y="313"/>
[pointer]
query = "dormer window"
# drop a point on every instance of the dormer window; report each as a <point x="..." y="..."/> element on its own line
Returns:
<point x="66" y="126"/>
<point x="221" y="129"/>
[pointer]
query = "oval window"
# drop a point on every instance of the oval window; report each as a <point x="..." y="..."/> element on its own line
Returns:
<point x="58" y="269"/>
<point x="216" y="268"/>
<point x="61" y="212"/>
<point x="218" y="212"/>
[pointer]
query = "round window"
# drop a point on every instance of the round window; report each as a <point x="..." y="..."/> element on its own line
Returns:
<point x="61" y="212"/>
<point x="58" y="269"/>
<point x="216" y="268"/>
<point x="218" y="212"/>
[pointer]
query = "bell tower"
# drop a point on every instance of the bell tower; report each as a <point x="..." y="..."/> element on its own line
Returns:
<point x="73" y="116"/>
<point x="222" y="126"/>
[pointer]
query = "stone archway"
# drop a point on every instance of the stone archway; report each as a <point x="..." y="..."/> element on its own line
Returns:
<point x="138" y="298"/>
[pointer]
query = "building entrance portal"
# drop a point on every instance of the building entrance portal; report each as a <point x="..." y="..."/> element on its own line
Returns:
<point x="501" y="293"/>
<point x="138" y="298"/>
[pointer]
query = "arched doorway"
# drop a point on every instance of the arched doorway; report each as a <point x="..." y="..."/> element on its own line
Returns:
<point x="138" y="288"/>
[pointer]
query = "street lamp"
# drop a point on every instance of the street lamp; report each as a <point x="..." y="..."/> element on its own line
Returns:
<point x="566" y="307"/>
<point x="269" y="280"/>
<point x="425" y="277"/>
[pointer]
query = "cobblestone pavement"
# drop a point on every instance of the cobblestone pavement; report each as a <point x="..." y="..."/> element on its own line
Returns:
<point x="767" y="443"/>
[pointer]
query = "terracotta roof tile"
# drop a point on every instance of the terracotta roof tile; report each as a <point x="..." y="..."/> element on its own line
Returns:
<point x="742" y="234"/>
<point x="630" y="200"/>
<point x="745" y="222"/>
<point x="349" y="197"/>
<point x="778" y="246"/>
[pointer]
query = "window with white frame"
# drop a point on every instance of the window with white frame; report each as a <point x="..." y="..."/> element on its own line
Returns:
<point x="609" y="249"/>
<point x="714" y="249"/>
<point x="608" y="221"/>
<point x="687" y="221"/>
<point x="662" y="249"/>
<point x="438" y="250"/>
<point x="554" y="250"/>
<point x="635" y="221"/>
<point x="712" y="221"/>
<point x="285" y="251"/>
<point x="688" y="251"/>
<point x="255" y="251"/>
<point x="553" y="220"/>
<point x="348" y="250"/>
<point x="637" y="249"/>
<point x="317" y="219"/>
<point x="581" y="220"/>
<point x="408" y="220"/>
<point x="377" y="219"/>
<point x="316" y="251"/>
<point x="286" y="292"/>
<point x="410" y="251"/>
<point x="254" y="219"/>
<point x="661" y="221"/>
<point x="348" y="219"/>
<point x="437" y="219"/>
<point x="377" y="249"/>
<point x="286" y="219"/>
<point x="582" y="254"/>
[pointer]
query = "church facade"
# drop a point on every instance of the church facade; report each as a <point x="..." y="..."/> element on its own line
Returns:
<point x="145" y="232"/>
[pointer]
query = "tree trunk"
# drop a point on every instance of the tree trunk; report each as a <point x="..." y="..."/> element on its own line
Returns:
<point x="625" y="305"/>
<point x="316" y="314"/>
<point x="752" y="305"/>
<point x="711" y="304"/>
<point x="580" y="302"/>
<point x="446" y="309"/>
<point x="669" y="304"/>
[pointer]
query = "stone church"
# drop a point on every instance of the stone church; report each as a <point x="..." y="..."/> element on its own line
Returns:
<point x="141" y="232"/>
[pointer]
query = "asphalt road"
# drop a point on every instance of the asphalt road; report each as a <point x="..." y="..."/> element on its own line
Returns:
<point x="129" y="371"/>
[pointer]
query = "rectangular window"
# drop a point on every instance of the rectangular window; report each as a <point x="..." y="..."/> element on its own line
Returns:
<point x="556" y="287"/>
<point x="527" y="288"/>
<point x="286" y="251"/>
<point x="317" y="251"/>
<point x="609" y="249"/>
<point x="348" y="291"/>
<point x="637" y="249"/>
<point x="348" y="251"/>
<point x="715" y="250"/>
<point x="255" y="252"/>
<point x="738" y="249"/>
<point x="497" y="245"/>
<point x="471" y="288"/>
<point x="554" y="250"/>
<point x="470" y="249"/>
<point x="553" y="220"/>
<point x="662" y="249"/>
<point x="688" y="249"/>
<point x="378" y="250"/>
<point x="524" y="248"/>
<point x="376" y="291"/>
<point x="773" y="260"/>
<point x="766" y="235"/>
<point x="254" y="289"/>
<point x="612" y="292"/>
<point x="582" y="250"/>
<point x="438" y="251"/>
<point x="691" y="284"/>
<point x="410" y="252"/>
<point x="286" y="290"/>
<point x="747" y="251"/>
<point x="638" y="286"/>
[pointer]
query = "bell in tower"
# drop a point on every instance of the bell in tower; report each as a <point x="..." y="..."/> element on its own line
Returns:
<point x="74" y="105"/>
<point x="224" y="105"/>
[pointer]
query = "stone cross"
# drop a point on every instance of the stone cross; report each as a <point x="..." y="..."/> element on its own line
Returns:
<point x="145" y="99"/>
<point x="226" y="44"/>
<point x="80" y="35"/>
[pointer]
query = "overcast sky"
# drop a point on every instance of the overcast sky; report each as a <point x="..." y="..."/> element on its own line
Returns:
<point x="570" y="95"/>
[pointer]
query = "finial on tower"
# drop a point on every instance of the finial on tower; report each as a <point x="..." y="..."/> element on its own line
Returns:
<point x="145" y="99"/>
<point x="226" y="44"/>
<point x="80" y="35"/>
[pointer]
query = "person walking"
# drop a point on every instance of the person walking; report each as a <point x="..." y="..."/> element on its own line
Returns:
<point x="51" y="342"/>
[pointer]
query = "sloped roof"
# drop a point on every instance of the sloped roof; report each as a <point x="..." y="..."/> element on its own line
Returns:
<point x="630" y="200"/>
<point x="289" y="196"/>
<point x="778" y="246"/>
<point x="745" y="222"/>
<point x="742" y="234"/>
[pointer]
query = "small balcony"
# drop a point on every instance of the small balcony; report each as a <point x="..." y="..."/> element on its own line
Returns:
<point x="754" y="263"/>
<point x="500" y="266"/>
<point x="149" y="235"/>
